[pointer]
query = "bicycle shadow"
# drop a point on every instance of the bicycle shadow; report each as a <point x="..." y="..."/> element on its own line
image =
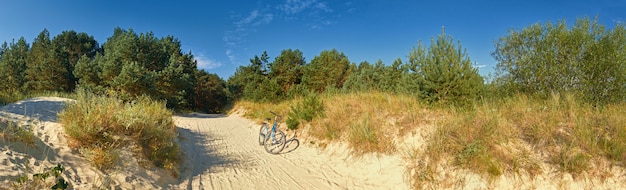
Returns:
<point x="291" y="145"/>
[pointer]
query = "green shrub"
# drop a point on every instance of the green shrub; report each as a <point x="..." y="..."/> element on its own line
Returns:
<point x="306" y="110"/>
<point x="40" y="180"/>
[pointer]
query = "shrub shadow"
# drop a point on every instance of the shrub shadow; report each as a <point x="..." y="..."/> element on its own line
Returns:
<point x="200" y="115"/>
<point x="201" y="154"/>
<point x="36" y="108"/>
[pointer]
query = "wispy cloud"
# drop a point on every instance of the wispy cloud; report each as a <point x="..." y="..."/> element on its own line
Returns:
<point x="206" y="63"/>
<point x="314" y="14"/>
<point x="242" y="26"/>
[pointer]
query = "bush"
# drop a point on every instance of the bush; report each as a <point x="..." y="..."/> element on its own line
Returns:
<point x="100" y="123"/>
<point x="306" y="110"/>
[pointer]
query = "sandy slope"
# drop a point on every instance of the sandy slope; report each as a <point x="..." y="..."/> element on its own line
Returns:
<point x="221" y="152"/>
<point x="225" y="155"/>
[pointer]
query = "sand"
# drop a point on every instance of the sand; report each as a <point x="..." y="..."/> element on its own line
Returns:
<point x="222" y="152"/>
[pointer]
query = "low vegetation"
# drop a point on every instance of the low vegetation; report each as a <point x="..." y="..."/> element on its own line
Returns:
<point x="510" y="136"/>
<point x="13" y="132"/>
<point x="99" y="126"/>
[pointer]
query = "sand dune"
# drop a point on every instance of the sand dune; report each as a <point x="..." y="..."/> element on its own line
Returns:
<point x="220" y="152"/>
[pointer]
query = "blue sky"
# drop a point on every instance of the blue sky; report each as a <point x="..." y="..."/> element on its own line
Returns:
<point x="226" y="34"/>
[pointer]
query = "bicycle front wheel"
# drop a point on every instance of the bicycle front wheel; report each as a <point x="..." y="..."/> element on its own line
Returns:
<point x="276" y="144"/>
<point x="263" y="133"/>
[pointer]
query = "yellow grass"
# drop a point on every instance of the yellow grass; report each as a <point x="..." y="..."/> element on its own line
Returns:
<point x="494" y="137"/>
<point x="100" y="125"/>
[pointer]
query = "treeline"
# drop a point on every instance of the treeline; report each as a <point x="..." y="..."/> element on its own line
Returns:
<point x="585" y="60"/>
<point x="127" y="65"/>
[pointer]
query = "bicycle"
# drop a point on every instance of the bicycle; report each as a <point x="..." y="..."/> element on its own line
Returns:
<point x="273" y="139"/>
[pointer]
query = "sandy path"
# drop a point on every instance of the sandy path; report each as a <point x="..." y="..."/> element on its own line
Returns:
<point x="220" y="152"/>
<point x="223" y="153"/>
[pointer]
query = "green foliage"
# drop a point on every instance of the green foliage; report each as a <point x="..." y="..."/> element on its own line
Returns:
<point x="68" y="48"/>
<point x="329" y="69"/>
<point x="100" y="123"/>
<point x="445" y="72"/>
<point x="287" y="70"/>
<point x="39" y="179"/>
<point x="394" y="78"/>
<point x="211" y="94"/>
<point x="13" y="132"/>
<point x="584" y="59"/>
<point x="13" y="65"/>
<point x="43" y="71"/>
<point x="247" y="81"/>
<point x="310" y="108"/>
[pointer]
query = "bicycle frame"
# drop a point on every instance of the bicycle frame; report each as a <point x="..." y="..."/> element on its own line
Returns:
<point x="273" y="131"/>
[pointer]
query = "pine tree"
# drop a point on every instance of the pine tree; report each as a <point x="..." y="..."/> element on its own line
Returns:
<point x="68" y="48"/>
<point x="43" y="71"/>
<point x="13" y="66"/>
<point x="287" y="69"/>
<point x="330" y="69"/>
<point x="445" y="72"/>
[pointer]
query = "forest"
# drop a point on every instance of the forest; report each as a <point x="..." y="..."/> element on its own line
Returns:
<point x="583" y="59"/>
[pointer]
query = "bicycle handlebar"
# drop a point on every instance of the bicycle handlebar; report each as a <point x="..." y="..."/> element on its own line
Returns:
<point x="276" y="116"/>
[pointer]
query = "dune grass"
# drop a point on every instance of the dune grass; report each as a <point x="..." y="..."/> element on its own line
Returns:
<point x="368" y="122"/>
<point x="12" y="132"/>
<point x="513" y="135"/>
<point x="100" y="125"/>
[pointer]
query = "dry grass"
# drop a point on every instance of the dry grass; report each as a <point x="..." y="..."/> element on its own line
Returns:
<point x="368" y="122"/>
<point x="507" y="136"/>
<point x="13" y="132"/>
<point x="100" y="125"/>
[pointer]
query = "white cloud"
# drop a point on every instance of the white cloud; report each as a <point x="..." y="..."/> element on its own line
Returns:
<point x="206" y="63"/>
<point x="231" y="56"/>
<point x="234" y="37"/>
<point x="291" y="7"/>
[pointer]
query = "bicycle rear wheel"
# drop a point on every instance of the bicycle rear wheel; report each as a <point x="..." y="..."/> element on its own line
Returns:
<point x="263" y="133"/>
<point x="277" y="144"/>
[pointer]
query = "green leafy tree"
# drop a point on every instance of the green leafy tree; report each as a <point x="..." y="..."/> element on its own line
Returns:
<point x="43" y="71"/>
<point x="445" y="72"/>
<point x="13" y="66"/>
<point x="585" y="59"/>
<point x="329" y="69"/>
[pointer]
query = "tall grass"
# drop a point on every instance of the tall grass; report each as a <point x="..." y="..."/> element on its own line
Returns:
<point x="515" y="135"/>
<point x="368" y="122"/>
<point x="99" y="125"/>
<point x="12" y="132"/>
